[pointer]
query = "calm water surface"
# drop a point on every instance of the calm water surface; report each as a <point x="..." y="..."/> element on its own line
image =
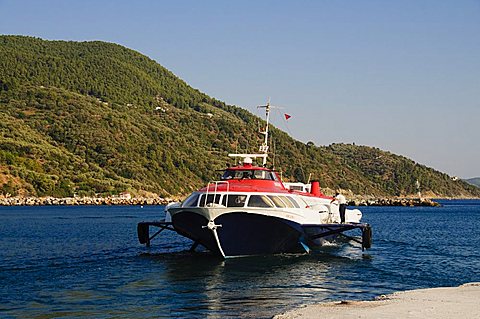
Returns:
<point x="76" y="262"/>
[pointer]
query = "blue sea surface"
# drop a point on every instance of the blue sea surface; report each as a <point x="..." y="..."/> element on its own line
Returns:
<point x="86" y="262"/>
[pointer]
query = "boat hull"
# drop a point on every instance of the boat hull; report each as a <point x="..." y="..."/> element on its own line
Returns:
<point x="241" y="233"/>
<point x="194" y="226"/>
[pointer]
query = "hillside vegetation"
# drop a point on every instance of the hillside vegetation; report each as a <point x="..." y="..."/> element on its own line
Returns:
<point x="97" y="118"/>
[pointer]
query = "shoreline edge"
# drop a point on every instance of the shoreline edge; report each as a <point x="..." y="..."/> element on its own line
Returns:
<point x="439" y="303"/>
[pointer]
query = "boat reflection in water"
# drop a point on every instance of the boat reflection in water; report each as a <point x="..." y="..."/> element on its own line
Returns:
<point x="247" y="287"/>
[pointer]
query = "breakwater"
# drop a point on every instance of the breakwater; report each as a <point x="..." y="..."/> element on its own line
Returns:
<point x="46" y="201"/>
<point x="115" y="200"/>
<point x="394" y="201"/>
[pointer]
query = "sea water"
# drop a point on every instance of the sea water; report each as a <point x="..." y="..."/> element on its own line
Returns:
<point x="86" y="262"/>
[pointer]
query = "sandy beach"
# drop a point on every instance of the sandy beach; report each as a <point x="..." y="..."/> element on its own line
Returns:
<point x="449" y="302"/>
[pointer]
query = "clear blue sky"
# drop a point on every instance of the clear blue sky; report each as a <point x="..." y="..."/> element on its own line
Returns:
<point x="402" y="75"/>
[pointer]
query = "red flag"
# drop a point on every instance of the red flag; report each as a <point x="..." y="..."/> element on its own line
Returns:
<point x="287" y="116"/>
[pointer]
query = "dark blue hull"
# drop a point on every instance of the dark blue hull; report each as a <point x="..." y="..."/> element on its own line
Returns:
<point x="245" y="234"/>
<point x="242" y="233"/>
<point x="192" y="225"/>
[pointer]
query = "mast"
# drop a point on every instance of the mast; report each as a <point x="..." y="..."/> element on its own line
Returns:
<point x="264" y="147"/>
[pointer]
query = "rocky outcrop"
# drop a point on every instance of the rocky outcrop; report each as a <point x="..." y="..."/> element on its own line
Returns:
<point x="45" y="201"/>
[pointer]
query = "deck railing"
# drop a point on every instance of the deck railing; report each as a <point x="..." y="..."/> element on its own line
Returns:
<point x="215" y="192"/>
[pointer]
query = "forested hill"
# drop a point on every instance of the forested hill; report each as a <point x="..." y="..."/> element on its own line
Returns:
<point x="474" y="181"/>
<point x="94" y="117"/>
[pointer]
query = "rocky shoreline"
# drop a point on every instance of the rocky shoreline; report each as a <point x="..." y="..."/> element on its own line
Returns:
<point x="73" y="201"/>
<point x="115" y="200"/>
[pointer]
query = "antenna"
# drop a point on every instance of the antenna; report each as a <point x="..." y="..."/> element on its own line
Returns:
<point x="273" y="160"/>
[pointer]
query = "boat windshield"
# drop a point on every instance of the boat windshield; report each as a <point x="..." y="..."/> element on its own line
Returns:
<point x="191" y="201"/>
<point x="249" y="174"/>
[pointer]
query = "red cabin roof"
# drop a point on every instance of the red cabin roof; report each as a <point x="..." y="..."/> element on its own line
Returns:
<point x="249" y="178"/>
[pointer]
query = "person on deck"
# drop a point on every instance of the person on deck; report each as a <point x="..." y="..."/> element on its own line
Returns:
<point x="342" y="201"/>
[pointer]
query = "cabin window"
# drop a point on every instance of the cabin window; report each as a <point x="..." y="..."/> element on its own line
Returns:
<point x="286" y="202"/>
<point x="260" y="174"/>
<point x="211" y="198"/>
<point x="296" y="188"/>
<point x="273" y="176"/>
<point x="277" y="201"/>
<point x="228" y="174"/>
<point x="290" y="201"/>
<point x="191" y="201"/>
<point x="234" y="200"/>
<point x="237" y="174"/>
<point x="304" y="203"/>
<point x="245" y="174"/>
<point x="248" y="174"/>
<point x="260" y="201"/>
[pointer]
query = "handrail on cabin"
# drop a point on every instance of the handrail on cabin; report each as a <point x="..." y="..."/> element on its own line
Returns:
<point x="216" y="183"/>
